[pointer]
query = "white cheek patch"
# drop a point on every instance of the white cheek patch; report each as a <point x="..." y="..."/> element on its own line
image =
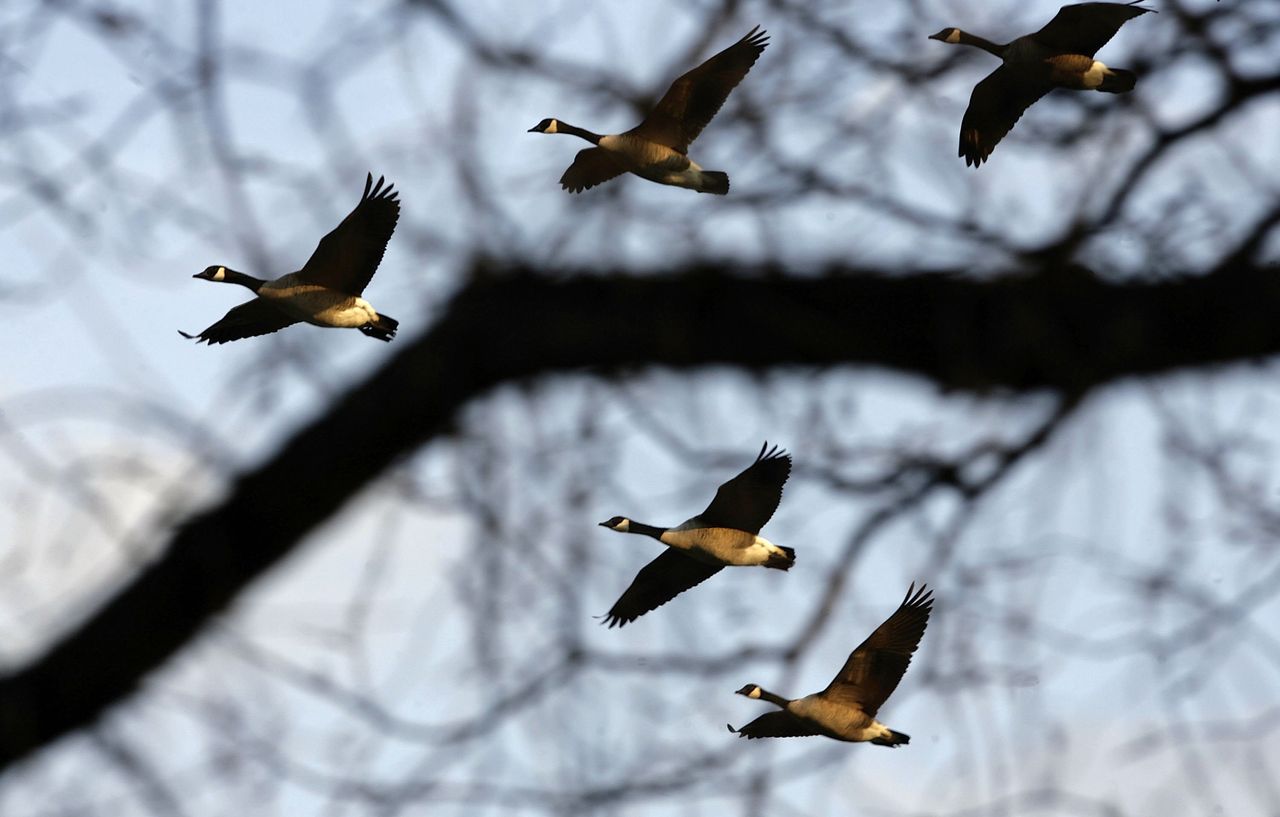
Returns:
<point x="552" y="127"/>
<point x="624" y="526"/>
<point x="221" y="274"/>
<point x="954" y="36"/>
<point x="754" y="693"/>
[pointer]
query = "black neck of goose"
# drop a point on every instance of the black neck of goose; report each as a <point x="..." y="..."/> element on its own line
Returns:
<point x="233" y="277"/>
<point x="574" y="130"/>
<point x="986" y="45"/>
<point x="777" y="700"/>
<point x="645" y="530"/>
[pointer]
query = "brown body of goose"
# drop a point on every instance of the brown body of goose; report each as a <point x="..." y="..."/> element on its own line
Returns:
<point x="1060" y="55"/>
<point x="326" y="291"/>
<point x="657" y="149"/>
<point x="726" y="533"/>
<point x="846" y="709"/>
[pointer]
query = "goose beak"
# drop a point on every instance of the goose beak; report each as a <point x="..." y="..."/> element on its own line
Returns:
<point x="534" y="129"/>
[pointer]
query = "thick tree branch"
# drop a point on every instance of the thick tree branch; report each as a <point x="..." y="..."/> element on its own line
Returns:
<point x="1063" y="330"/>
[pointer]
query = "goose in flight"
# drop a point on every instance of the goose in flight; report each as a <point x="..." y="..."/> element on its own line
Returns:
<point x="846" y="709"/>
<point x="1060" y="55"/>
<point x="657" y="149"/>
<point x="326" y="291"/>
<point x="726" y="533"/>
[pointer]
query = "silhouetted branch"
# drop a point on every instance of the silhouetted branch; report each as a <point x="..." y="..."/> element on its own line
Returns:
<point x="1061" y="331"/>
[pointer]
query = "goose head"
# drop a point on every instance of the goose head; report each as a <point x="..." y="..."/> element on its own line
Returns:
<point x="618" y="523"/>
<point x="545" y="126"/>
<point x="216" y="272"/>
<point x="750" y="690"/>
<point x="947" y="35"/>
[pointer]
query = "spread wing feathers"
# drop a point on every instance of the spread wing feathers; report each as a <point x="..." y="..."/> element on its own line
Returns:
<point x="694" y="98"/>
<point x="878" y="664"/>
<point x="781" y="724"/>
<point x="994" y="107"/>
<point x="249" y="319"/>
<point x="657" y="583"/>
<point x="747" y="501"/>
<point x="347" y="257"/>
<point x="1085" y="27"/>
<point x="590" y="167"/>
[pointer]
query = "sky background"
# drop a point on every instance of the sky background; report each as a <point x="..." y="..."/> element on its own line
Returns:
<point x="1105" y="628"/>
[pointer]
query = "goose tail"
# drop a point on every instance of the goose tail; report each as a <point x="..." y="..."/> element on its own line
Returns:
<point x="892" y="739"/>
<point x="1118" y="81"/>
<point x="713" y="181"/>
<point x="782" y="561"/>
<point x="384" y="328"/>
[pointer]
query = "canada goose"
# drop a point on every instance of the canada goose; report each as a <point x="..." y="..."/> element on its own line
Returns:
<point x="326" y="291"/>
<point x="1060" y="55"/>
<point x="846" y="709"/>
<point x="726" y="533"/>
<point x="657" y="148"/>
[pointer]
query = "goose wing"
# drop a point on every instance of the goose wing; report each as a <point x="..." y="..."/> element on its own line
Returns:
<point x="249" y="319"/>
<point x="874" y="669"/>
<point x="781" y="724"/>
<point x="657" y="583"/>
<point x="994" y="107"/>
<point x="347" y="257"/>
<point x="1085" y="27"/>
<point x="590" y="167"/>
<point x="697" y="96"/>
<point x="747" y="501"/>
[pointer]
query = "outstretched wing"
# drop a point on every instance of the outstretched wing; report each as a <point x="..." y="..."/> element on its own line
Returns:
<point x="1085" y="27"/>
<point x="995" y="105"/>
<point x="697" y="96"/>
<point x="590" y="167"/>
<point x="780" y="724"/>
<point x="747" y="501"/>
<point x="347" y="257"/>
<point x="657" y="583"/>
<point x="249" y="319"/>
<point x="878" y="664"/>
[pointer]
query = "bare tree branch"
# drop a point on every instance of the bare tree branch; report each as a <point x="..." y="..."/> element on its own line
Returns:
<point x="1062" y="330"/>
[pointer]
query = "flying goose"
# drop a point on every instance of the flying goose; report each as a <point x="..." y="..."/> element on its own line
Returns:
<point x="1060" y="55"/>
<point x="726" y="533"/>
<point x="326" y="291"/>
<point x="657" y="148"/>
<point x="846" y="709"/>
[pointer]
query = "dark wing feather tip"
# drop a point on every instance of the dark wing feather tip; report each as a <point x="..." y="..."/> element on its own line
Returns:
<point x="697" y="95"/>
<point x="773" y="453"/>
<point x="874" y="668"/>
<point x="349" y="254"/>
<point x="591" y="166"/>
<point x="249" y="319"/>
<point x="1084" y="28"/>
<point x="780" y="724"/>
<point x="747" y="501"/>
<point x="995" y="106"/>
<point x="657" y="583"/>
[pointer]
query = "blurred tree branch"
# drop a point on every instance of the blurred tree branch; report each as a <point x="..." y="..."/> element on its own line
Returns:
<point x="1062" y="330"/>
